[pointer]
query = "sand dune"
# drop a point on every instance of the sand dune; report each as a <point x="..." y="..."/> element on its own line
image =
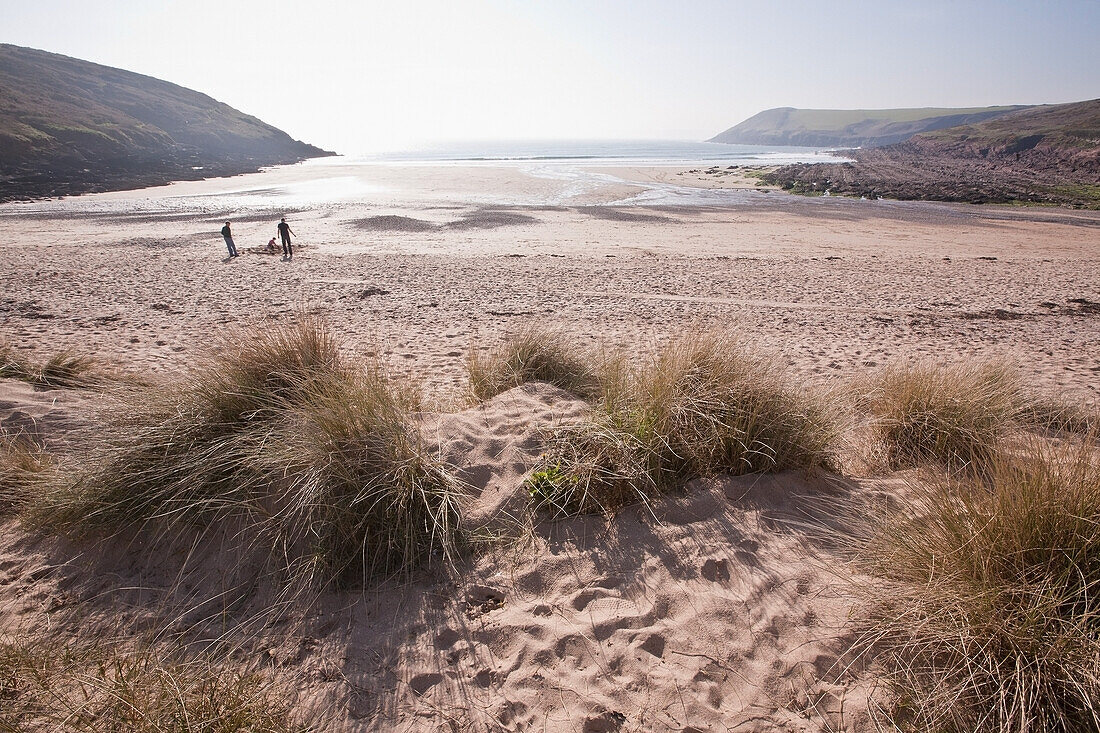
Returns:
<point x="715" y="611"/>
<point x="718" y="610"/>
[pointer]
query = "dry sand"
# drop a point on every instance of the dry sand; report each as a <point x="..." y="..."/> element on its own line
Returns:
<point x="716" y="613"/>
<point x="838" y="285"/>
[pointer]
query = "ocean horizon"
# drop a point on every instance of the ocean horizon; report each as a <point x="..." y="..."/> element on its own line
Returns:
<point x="595" y="152"/>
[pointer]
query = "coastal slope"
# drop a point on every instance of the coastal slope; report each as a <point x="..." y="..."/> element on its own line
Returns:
<point x="850" y="128"/>
<point x="1043" y="155"/>
<point x="69" y="126"/>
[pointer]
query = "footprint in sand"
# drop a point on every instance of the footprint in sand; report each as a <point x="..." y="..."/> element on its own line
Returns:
<point x="716" y="571"/>
<point x="481" y="599"/>
<point x="654" y="644"/>
<point x="421" y="683"/>
<point x="582" y="599"/>
<point x="574" y="648"/>
<point x="605" y="722"/>
<point x="512" y="711"/>
<point x="447" y="638"/>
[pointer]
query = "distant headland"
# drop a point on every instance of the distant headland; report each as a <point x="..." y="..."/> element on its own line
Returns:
<point x="850" y="128"/>
<point x="1044" y="154"/>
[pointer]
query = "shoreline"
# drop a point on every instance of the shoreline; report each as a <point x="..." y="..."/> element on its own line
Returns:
<point x="517" y="184"/>
<point x="32" y="188"/>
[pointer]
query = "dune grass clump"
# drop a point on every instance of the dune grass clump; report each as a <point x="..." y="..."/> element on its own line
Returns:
<point x="956" y="415"/>
<point x="362" y="490"/>
<point x="533" y="355"/>
<point x="706" y="404"/>
<point x="991" y="617"/>
<point x="1052" y="413"/>
<point x="24" y="465"/>
<point x="82" y="686"/>
<point x="62" y="369"/>
<point x="315" y="456"/>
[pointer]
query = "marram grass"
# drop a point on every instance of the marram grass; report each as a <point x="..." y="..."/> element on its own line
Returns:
<point x="25" y="467"/>
<point x="318" y="458"/>
<point x="989" y="616"/>
<point x="705" y="404"/>
<point x="534" y="354"/>
<point x="957" y="415"/>
<point x="61" y="369"/>
<point x="105" y="686"/>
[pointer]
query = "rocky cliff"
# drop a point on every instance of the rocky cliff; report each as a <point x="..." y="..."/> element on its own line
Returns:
<point x="1048" y="154"/>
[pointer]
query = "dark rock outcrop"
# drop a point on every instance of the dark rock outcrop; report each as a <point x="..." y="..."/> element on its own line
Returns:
<point x="1043" y="155"/>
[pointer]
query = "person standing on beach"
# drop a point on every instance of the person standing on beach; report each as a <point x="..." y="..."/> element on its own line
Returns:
<point x="284" y="235"/>
<point x="228" y="234"/>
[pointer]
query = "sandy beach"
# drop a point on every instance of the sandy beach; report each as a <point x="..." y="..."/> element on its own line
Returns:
<point x="715" y="610"/>
<point x="423" y="263"/>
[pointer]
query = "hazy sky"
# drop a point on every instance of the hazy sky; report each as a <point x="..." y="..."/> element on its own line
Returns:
<point x="362" y="76"/>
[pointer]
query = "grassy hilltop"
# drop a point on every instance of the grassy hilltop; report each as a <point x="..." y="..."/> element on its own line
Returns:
<point x="850" y="128"/>
<point x="69" y="126"/>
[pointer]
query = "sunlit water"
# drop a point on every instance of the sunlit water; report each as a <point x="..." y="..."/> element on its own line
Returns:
<point x="568" y="170"/>
<point x="607" y="152"/>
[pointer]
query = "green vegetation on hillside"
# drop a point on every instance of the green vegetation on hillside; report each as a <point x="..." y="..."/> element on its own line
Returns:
<point x="850" y="127"/>
<point x="70" y="126"/>
<point x="1075" y="125"/>
<point x="1048" y="155"/>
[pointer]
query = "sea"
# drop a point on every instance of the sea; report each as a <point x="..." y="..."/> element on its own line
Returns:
<point x="605" y="152"/>
<point x="573" y="168"/>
